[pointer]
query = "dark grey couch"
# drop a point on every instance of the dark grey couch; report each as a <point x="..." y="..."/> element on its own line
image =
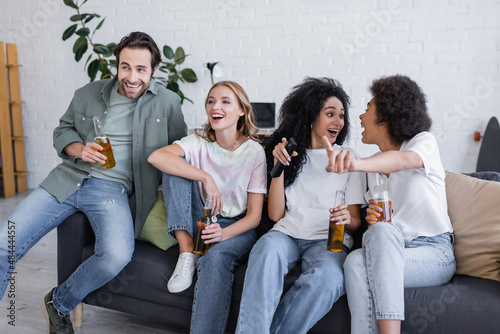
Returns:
<point x="464" y="305"/>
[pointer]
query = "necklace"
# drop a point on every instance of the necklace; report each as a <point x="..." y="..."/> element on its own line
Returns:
<point x="230" y="147"/>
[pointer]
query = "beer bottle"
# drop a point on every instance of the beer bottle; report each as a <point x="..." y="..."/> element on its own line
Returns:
<point x="200" y="247"/>
<point x="101" y="139"/>
<point x="335" y="241"/>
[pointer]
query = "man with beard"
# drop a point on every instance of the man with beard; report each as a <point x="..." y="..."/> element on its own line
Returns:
<point x="138" y="116"/>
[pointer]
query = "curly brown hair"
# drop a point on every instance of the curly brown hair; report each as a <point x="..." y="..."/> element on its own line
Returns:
<point x="401" y="104"/>
<point x="299" y="110"/>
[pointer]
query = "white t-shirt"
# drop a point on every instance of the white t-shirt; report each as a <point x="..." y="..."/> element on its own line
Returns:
<point x="235" y="172"/>
<point x="309" y="199"/>
<point x="418" y="195"/>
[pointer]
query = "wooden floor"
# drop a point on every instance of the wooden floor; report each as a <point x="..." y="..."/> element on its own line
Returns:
<point x="36" y="275"/>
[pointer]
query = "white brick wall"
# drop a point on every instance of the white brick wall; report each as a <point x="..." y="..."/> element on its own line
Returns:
<point x="450" y="47"/>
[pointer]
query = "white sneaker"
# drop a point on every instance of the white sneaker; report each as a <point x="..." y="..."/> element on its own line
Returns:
<point x="182" y="278"/>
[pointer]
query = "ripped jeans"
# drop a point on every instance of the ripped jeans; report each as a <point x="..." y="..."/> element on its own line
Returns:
<point x="106" y="205"/>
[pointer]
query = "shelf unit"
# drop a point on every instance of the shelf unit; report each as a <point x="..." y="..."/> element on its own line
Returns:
<point x="13" y="171"/>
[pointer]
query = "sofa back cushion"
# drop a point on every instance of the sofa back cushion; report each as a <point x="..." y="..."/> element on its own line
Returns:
<point x="474" y="210"/>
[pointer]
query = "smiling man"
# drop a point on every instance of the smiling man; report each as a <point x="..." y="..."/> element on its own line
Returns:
<point x="138" y="116"/>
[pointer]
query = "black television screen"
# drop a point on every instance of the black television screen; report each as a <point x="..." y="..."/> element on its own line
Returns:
<point x="265" y="114"/>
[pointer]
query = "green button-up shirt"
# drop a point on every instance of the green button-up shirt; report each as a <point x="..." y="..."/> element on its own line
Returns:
<point x="157" y="122"/>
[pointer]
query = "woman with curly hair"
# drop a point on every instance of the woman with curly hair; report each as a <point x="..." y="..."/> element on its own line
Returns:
<point x="225" y="162"/>
<point x="299" y="201"/>
<point x="416" y="249"/>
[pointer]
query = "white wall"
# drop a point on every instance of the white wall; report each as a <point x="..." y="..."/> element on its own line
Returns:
<point x="450" y="47"/>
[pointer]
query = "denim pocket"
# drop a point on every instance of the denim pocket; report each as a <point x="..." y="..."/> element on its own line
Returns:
<point x="444" y="239"/>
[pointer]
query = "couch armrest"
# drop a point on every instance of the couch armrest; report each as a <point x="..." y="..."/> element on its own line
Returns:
<point x="488" y="176"/>
<point x="73" y="235"/>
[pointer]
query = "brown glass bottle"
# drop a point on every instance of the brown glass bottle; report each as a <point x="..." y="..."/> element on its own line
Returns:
<point x="200" y="247"/>
<point x="102" y="140"/>
<point x="336" y="232"/>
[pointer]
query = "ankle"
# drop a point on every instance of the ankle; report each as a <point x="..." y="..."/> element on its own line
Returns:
<point x="185" y="241"/>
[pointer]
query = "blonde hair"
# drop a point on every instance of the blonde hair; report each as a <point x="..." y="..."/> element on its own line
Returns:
<point x="246" y="123"/>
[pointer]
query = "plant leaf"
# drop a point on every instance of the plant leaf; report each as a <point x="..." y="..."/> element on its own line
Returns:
<point x="88" y="59"/>
<point x="171" y="67"/>
<point x="76" y="17"/>
<point x="111" y="47"/>
<point x="179" y="55"/>
<point x="181" y="95"/>
<point x="173" y="86"/>
<point x="79" y="42"/>
<point x="189" y="75"/>
<point x="93" y="69"/>
<point x="99" y="25"/>
<point x="99" y="48"/>
<point x="168" y="52"/>
<point x="83" y="32"/>
<point x="80" y="52"/>
<point x="185" y="98"/>
<point x="90" y="17"/>
<point x="71" y="4"/>
<point x="83" y="3"/>
<point x="106" y="75"/>
<point x="106" y="72"/>
<point x="69" y="32"/>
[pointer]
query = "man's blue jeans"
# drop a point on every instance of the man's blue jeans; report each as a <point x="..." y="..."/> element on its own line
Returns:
<point x="215" y="269"/>
<point x="105" y="203"/>
<point x="377" y="274"/>
<point x="312" y="295"/>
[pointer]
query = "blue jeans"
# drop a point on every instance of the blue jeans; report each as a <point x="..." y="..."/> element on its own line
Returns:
<point x="105" y="203"/>
<point x="215" y="269"/>
<point x="308" y="300"/>
<point x="377" y="274"/>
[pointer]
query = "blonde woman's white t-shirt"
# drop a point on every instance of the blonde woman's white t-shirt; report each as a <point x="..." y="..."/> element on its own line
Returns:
<point x="418" y="195"/>
<point x="309" y="199"/>
<point x="236" y="173"/>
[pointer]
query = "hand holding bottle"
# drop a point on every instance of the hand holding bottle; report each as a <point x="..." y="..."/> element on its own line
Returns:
<point x="90" y="152"/>
<point x="380" y="206"/>
<point x="335" y="240"/>
<point x="103" y="145"/>
<point x="212" y="233"/>
<point x="211" y="189"/>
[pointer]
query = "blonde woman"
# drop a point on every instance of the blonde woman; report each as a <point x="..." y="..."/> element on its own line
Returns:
<point x="224" y="161"/>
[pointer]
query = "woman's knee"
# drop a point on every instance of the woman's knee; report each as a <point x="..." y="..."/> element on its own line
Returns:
<point x="328" y="274"/>
<point x="382" y="233"/>
<point x="354" y="263"/>
<point x="270" y="251"/>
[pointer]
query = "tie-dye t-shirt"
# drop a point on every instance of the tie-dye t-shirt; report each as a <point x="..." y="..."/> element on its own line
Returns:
<point x="236" y="173"/>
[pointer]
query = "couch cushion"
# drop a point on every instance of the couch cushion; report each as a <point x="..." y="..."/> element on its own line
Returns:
<point x="474" y="210"/>
<point x="145" y="278"/>
<point x="464" y="305"/>
<point x="155" y="227"/>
